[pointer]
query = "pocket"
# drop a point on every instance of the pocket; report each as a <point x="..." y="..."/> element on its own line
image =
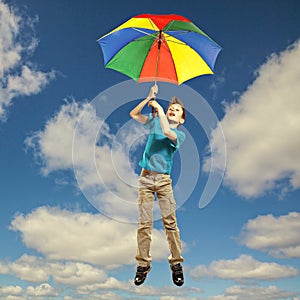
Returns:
<point x="144" y="180"/>
<point x="167" y="204"/>
<point x="171" y="198"/>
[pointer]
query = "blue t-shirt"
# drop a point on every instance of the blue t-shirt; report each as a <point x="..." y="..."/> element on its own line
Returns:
<point x="159" y="150"/>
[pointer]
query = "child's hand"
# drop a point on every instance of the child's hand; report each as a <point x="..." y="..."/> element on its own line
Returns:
<point x="154" y="104"/>
<point x="153" y="91"/>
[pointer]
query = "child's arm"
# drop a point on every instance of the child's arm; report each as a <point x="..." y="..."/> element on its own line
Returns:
<point x="136" y="112"/>
<point x="164" y="123"/>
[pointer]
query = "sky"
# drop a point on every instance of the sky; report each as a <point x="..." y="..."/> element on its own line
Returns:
<point x="69" y="154"/>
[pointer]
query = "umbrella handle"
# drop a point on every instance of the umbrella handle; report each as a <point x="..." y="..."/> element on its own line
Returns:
<point x="153" y="110"/>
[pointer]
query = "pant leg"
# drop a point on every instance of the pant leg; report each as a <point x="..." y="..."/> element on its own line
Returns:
<point x="168" y="210"/>
<point x="145" y="210"/>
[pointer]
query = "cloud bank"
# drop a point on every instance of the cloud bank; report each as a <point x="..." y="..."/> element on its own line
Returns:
<point x="255" y="292"/>
<point x="262" y="129"/>
<point x="244" y="268"/>
<point x="18" y="75"/>
<point x="279" y="236"/>
<point x="83" y="237"/>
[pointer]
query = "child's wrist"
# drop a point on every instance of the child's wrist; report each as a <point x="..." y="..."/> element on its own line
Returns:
<point x="160" y="110"/>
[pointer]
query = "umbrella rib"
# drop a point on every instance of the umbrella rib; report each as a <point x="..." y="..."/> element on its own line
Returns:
<point x="152" y="24"/>
<point x="179" y="43"/>
<point x="144" y="39"/>
<point x="178" y="33"/>
<point x="142" y="31"/>
<point x="168" y="26"/>
<point x="151" y="36"/>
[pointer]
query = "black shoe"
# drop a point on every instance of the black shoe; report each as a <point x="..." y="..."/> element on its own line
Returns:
<point x="141" y="274"/>
<point x="177" y="274"/>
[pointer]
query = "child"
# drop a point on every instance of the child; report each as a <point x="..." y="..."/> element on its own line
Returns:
<point x="164" y="139"/>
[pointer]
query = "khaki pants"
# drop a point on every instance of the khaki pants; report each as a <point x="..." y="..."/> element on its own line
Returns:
<point x="161" y="184"/>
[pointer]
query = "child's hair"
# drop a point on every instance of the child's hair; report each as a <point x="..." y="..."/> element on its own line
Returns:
<point x="176" y="100"/>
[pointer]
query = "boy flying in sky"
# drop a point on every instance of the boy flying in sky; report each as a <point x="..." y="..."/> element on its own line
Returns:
<point x="164" y="139"/>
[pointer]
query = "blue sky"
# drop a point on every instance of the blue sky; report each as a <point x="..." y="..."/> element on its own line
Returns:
<point x="55" y="244"/>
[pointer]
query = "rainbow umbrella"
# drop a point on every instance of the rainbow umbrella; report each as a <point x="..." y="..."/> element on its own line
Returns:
<point x="159" y="48"/>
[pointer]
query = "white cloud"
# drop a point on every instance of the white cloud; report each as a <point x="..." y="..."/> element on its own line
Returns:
<point x="109" y="284"/>
<point x="168" y="292"/>
<point x="130" y="291"/>
<point x="44" y="290"/>
<point x="53" y="145"/>
<point x="179" y="298"/>
<point x="18" y="76"/>
<point x="253" y="293"/>
<point x="100" y="295"/>
<point x="262" y="129"/>
<point x="28" y="82"/>
<point x="76" y="274"/>
<point x="93" y="238"/>
<point x="223" y="297"/>
<point x="31" y="292"/>
<point x="3" y="269"/>
<point x="69" y="273"/>
<point x="28" y="268"/>
<point x="84" y="281"/>
<point x="8" y="31"/>
<point x="244" y="268"/>
<point x="10" y="290"/>
<point x="277" y="235"/>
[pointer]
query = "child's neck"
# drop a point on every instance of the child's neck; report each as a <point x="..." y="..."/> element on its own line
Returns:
<point x="173" y="124"/>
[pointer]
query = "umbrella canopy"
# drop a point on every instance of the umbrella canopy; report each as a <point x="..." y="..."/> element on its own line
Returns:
<point x="159" y="48"/>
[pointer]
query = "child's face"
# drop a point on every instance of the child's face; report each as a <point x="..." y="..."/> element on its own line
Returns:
<point x="174" y="113"/>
